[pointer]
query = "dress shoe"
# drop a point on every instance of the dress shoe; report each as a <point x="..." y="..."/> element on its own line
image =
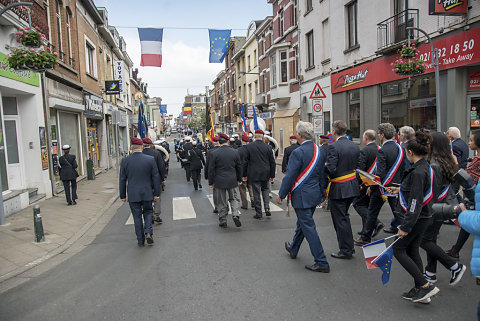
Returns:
<point x="289" y="250"/>
<point x="223" y="225"/>
<point x="340" y="255"/>
<point x="237" y="222"/>
<point x="267" y="213"/>
<point x="74" y="203"/>
<point x="200" y="185"/>
<point x="68" y="204"/>
<point x="257" y="217"/>
<point x="141" y="244"/>
<point x="359" y="241"/>
<point x="377" y="229"/>
<point x="318" y="268"/>
<point x="390" y="230"/>
<point x="149" y="238"/>
<point x="215" y="211"/>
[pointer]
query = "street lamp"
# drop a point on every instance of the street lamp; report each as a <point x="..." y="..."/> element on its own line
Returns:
<point x="437" y="73"/>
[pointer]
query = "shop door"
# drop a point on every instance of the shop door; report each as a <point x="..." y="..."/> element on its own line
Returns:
<point x="93" y="147"/>
<point x="12" y="137"/>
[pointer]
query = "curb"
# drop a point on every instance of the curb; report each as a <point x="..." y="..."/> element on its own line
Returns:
<point x="61" y="248"/>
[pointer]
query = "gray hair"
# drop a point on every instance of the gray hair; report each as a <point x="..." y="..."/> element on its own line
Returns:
<point x="454" y="132"/>
<point x="305" y="129"/>
<point x="370" y="134"/>
<point x="407" y="131"/>
<point x="387" y="129"/>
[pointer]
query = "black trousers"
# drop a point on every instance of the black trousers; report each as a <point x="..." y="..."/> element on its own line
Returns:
<point x="187" y="171"/>
<point x="360" y="204"/>
<point x="407" y="253"/>
<point x="66" y="185"/>
<point x="196" y="176"/>
<point x="462" y="238"/>
<point x="341" y="223"/>
<point x="434" y="252"/>
<point x="374" y="207"/>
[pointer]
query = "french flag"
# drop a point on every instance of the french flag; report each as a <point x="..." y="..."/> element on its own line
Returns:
<point x="151" y="43"/>
<point x="371" y="251"/>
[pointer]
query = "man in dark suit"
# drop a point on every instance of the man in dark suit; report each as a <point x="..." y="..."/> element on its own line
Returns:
<point x="209" y="154"/>
<point x="224" y="177"/>
<point x="390" y="168"/>
<point x="341" y="163"/>
<point x="68" y="174"/>
<point x="259" y="168"/>
<point x="287" y="151"/>
<point x="183" y="155"/>
<point x="308" y="160"/>
<point x="140" y="170"/>
<point x="459" y="147"/>
<point x="245" y="185"/>
<point x="367" y="162"/>
<point x="197" y="161"/>
<point x="149" y="149"/>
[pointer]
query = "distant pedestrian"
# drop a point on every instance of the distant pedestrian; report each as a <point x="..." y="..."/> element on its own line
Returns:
<point x="141" y="173"/>
<point x="242" y="150"/>
<point x="287" y="151"/>
<point x="68" y="174"/>
<point x="197" y="161"/>
<point x="215" y="147"/>
<point x="148" y="149"/>
<point x="184" y="158"/>
<point x="459" y="147"/>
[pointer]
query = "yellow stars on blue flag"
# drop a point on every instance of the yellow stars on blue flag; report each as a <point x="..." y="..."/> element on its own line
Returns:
<point x="384" y="263"/>
<point x="219" y="42"/>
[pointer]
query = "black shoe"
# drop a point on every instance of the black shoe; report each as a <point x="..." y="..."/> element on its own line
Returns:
<point x="68" y="204"/>
<point x="215" y="211"/>
<point x="257" y="217"/>
<point x="74" y="203"/>
<point x="223" y="225"/>
<point x="289" y="250"/>
<point x="457" y="274"/>
<point x="390" y="230"/>
<point x="425" y="293"/>
<point x="267" y="213"/>
<point x="196" y="188"/>
<point x="200" y="185"/>
<point x="377" y="229"/>
<point x="141" y="244"/>
<point x="149" y="238"/>
<point x="432" y="279"/>
<point x="340" y="255"/>
<point x="359" y="241"/>
<point x="237" y="222"/>
<point x="159" y="220"/>
<point x="244" y="208"/>
<point x="410" y="294"/>
<point x="318" y="268"/>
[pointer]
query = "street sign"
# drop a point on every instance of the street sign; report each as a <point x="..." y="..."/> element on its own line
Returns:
<point x="317" y="92"/>
<point x="317" y="125"/>
<point x="317" y="106"/>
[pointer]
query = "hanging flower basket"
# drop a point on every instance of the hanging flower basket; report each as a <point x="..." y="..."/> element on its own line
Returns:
<point x="30" y="37"/>
<point x="31" y="59"/>
<point x="408" y="64"/>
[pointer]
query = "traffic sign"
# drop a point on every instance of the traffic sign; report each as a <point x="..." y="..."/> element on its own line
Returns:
<point x="317" y="106"/>
<point x="317" y="92"/>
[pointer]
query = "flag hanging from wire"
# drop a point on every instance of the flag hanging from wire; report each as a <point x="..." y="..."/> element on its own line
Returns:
<point x="151" y="45"/>
<point x="219" y="41"/>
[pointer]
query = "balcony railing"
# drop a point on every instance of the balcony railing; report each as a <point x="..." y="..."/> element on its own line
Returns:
<point x="392" y="31"/>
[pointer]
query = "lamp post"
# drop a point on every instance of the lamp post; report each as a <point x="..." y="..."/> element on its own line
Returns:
<point x="437" y="74"/>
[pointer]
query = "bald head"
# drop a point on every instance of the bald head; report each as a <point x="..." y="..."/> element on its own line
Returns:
<point x="369" y="135"/>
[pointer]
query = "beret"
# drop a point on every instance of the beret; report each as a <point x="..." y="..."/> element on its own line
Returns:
<point x="136" y="141"/>
<point x="216" y="138"/>
<point x="224" y="136"/>
<point x="147" y="140"/>
<point x="245" y="138"/>
<point x="293" y="137"/>
<point x="259" y="131"/>
<point x="324" y="137"/>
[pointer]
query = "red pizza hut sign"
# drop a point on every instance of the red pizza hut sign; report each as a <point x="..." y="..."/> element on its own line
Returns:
<point x="460" y="49"/>
<point x="448" y="7"/>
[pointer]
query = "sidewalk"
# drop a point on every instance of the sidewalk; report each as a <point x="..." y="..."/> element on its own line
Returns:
<point x="62" y="225"/>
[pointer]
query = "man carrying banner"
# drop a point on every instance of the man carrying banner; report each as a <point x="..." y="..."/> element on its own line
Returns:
<point x="303" y="185"/>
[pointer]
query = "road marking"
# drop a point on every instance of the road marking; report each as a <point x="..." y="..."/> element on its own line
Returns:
<point x="183" y="208"/>
<point x="273" y="206"/>
<point x="130" y="220"/>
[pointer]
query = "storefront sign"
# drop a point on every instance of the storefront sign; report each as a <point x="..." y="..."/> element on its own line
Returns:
<point x="266" y="115"/>
<point x="112" y="87"/>
<point x="119" y="75"/>
<point x="460" y="49"/>
<point x="28" y="77"/>
<point x="447" y="7"/>
<point x="473" y="79"/>
<point x="93" y="107"/>
<point x="474" y="116"/>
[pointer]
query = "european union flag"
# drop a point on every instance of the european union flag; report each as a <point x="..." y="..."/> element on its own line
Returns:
<point x="219" y="41"/>
<point x="384" y="262"/>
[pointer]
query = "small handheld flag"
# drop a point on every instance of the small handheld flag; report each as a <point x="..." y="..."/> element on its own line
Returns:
<point x="378" y="255"/>
<point x="384" y="262"/>
<point x="151" y="45"/>
<point x="219" y="42"/>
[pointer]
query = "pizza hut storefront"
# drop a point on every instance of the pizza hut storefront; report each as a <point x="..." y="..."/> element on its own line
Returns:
<point x="372" y="93"/>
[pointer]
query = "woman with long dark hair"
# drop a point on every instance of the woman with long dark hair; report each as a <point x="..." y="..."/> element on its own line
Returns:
<point x="415" y="198"/>
<point x="442" y="162"/>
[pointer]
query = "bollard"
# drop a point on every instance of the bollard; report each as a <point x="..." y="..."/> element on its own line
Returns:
<point x="37" y="224"/>
<point x="90" y="170"/>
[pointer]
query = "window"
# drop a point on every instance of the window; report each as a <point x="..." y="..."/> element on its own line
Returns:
<point x="264" y="44"/>
<point x="352" y="24"/>
<point x="69" y="40"/>
<point x="295" y="76"/>
<point x="90" y="57"/>
<point x="250" y="100"/>
<point x="256" y="87"/>
<point x="281" y="22"/>
<point x="265" y="83"/>
<point x="354" y="112"/>
<point x="283" y="66"/>
<point x="309" y="5"/>
<point x="228" y="85"/>
<point x="273" y="68"/>
<point x="249" y="64"/>
<point x="59" y="28"/>
<point x="233" y="82"/>
<point x="254" y="58"/>
<point x="326" y="40"/>
<point x="310" y="57"/>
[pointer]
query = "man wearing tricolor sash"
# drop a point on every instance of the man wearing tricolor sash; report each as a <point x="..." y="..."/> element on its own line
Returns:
<point x="344" y="187"/>
<point x="303" y="185"/>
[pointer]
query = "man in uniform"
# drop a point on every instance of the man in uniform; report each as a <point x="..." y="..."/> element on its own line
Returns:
<point x="341" y="163"/>
<point x="184" y="156"/>
<point x="246" y="185"/>
<point x="141" y="172"/>
<point x="288" y="151"/>
<point x="149" y="149"/>
<point x="68" y="174"/>
<point x="259" y="168"/>
<point x="224" y="177"/>
<point x="209" y="156"/>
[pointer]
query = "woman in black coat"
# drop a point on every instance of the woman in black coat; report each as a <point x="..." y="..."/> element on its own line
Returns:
<point x="197" y="161"/>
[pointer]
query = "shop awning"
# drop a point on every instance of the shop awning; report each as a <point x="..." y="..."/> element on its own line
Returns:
<point x="285" y="113"/>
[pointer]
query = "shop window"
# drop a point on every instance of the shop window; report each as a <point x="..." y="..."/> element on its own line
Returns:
<point x="283" y="66"/>
<point x="326" y="122"/>
<point x="354" y="113"/>
<point x="11" y="140"/>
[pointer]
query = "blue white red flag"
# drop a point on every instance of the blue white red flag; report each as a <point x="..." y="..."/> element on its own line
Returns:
<point x="244" y="122"/>
<point x="151" y="44"/>
<point x="255" y="121"/>
<point x="371" y="251"/>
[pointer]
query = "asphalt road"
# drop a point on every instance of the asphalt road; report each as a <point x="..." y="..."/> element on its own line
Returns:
<point x="198" y="271"/>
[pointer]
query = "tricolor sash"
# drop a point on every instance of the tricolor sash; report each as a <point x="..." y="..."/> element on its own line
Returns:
<point x="443" y="193"/>
<point x="305" y="174"/>
<point x="426" y="198"/>
<point x="393" y="170"/>
<point x="341" y="179"/>
<point x="373" y="168"/>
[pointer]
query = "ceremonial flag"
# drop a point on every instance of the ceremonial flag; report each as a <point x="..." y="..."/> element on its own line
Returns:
<point x="151" y="44"/>
<point x="187" y="110"/>
<point x="384" y="262"/>
<point x="185" y="117"/>
<point x="142" y="124"/>
<point x="219" y="41"/>
<point x="371" y="251"/>
<point x="244" y="122"/>
<point x="163" y="109"/>
<point x="209" y="126"/>
<point x="255" y="121"/>
<point x="369" y="179"/>
<point x="170" y="117"/>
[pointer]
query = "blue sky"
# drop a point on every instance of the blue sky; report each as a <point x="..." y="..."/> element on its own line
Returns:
<point x="185" y="52"/>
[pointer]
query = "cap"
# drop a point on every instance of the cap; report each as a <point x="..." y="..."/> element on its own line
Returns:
<point x="157" y="142"/>
<point x="206" y="138"/>
<point x="250" y="135"/>
<point x="259" y="131"/>
<point x="324" y="137"/>
<point x="188" y="138"/>
<point x="267" y="132"/>
<point x="245" y="138"/>
<point x="293" y="137"/>
<point x="194" y="143"/>
<point x="136" y="141"/>
<point x="224" y="136"/>
<point x="66" y="147"/>
<point x="147" y="140"/>
<point x="235" y="135"/>
<point x="232" y="139"/>
<point x="216" y="139"/>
